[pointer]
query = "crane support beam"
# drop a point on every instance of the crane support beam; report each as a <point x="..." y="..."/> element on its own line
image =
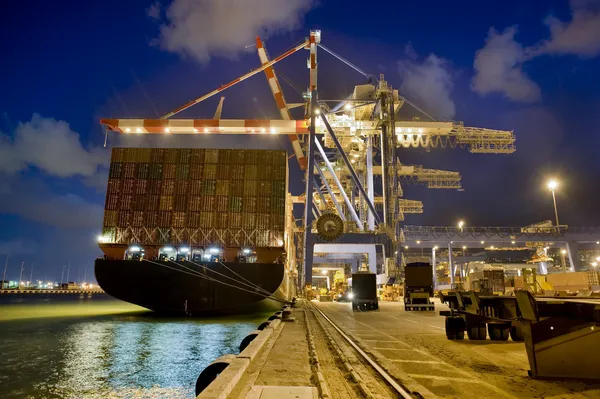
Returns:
<point x="333" y="199"/>
<point x="236" y="81"/>
<point x="350" y="168"/>
<point x="339" y="185"/>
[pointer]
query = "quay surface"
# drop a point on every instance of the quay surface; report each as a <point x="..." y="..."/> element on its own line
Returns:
<point x="309" y="358"/>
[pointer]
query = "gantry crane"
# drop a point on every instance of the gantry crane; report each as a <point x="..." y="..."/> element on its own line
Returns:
<point x="343" y="176"/>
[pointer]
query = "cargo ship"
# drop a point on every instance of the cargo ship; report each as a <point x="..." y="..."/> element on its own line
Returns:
<point x="196" y="231"/>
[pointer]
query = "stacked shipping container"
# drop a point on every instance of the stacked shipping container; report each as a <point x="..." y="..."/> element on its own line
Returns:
<point x="231" y="198"/>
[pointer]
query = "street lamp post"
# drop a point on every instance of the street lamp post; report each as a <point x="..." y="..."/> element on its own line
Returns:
<point x="4" y="276"/>
<point x="552" y="185"/>
<point x="460" y="225"/>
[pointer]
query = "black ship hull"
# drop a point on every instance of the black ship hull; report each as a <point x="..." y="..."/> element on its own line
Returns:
<point x="194" y="288"/>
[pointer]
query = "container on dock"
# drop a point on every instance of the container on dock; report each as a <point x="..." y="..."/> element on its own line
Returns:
<point x="201" y="197"/>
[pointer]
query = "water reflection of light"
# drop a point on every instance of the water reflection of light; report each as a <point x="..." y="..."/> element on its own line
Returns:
<point x="114" y="356"/>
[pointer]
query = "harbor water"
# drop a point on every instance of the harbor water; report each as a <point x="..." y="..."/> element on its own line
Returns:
<point x="72" y="346"/>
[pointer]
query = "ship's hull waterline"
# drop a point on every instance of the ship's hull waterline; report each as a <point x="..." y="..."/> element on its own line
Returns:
<point x="193" y="288"/>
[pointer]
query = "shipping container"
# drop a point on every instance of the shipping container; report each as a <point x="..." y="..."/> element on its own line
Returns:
<point x="143" y="170"/>
<point x="127" y="186"/>
<point x="196" y="171"/>
<point x="181" y="187"/>
<point x="236" y="188"/>
<point x="206" y="196"/>
<point x="207" y="220"/>
<point x="169" y="171"/>
<point x="208" y="187"/>
<point x="153" y="202"/>
<point x="166" y="203"/>
<point x="180" y="204"/>
<point x="249" y="221"/>
<point x="164" y="219"/>
<point x="151" y="218"/>
<point x="138" y="219"/>
<point x="111" y="218"/>
<point x="223" y="187"/>
<point x="168" y="187"/>
<point x="116" y="155"/>
<point x="238" y="157"/>
<point x="235" y="204"/>
<point x="179" y="219"/>
<point x="223" y="171"/>
<point x="235" y="220"/>
<point x="155" y="171"/>
<point x="195" y="187"/>
<point x="158" y="156"/>
<point x="195" y="204"/>
<point x="224" y="157"/>
<point x="263" y="205"/>
<point x="210" y="172"/>
<point x="124" y="219"/>
<point x="211" y="156"/>
<point x="128" y="171"/>
<point x="141" y="186"/>
<point x="250" y="188"/>
<point x="154" y="187"/>
<point x="142" y="155"/>
<point x="114" y="186"/>
<point x="208" y="203"/>
<point x="222" y="220"/>
<point x="237" y="172"/>
<point x="171" y="155"/>
<point x="140" y="203"/>
<point x="222" y="203"/>
<point x="126" y="202"/>
<point x="184" y="155"/>
<point x="251" y="157"/>
<point x="250" y="172"/>
<point x="197" y="156"/>
<point x="115" y="171"/>
<point x="193" y="221"/>
<point x="265" y="188"/>
<point x="263" y="221"/>
<point x="249" y="204"/>
<point x="183" y="171"/>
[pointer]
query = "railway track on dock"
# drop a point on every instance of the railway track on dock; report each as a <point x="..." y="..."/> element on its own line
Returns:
<point x="357" y="375"/>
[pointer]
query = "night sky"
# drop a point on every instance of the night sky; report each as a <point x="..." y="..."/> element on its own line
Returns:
<point x="531" y="67"/>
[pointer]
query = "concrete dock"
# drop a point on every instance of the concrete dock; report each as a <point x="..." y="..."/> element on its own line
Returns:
<point x="309" y="358"/>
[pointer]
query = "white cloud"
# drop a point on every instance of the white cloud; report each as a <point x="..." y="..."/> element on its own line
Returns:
<point x="51" y="146"/>
<point x="32" y="200"/>
<point x="428" y="83"/>
<point x="498" y="68"/>
<point x="580" y="36"/>
<point x="205" y="28"/>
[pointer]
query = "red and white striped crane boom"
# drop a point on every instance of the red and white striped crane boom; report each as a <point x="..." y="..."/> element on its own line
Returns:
<point x="280" y="101"/>
<point x="235" y="81"/>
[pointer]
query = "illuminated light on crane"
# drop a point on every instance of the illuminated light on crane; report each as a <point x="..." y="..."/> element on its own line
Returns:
<point x="348" y="107"/>
<point x="317" y="112"/>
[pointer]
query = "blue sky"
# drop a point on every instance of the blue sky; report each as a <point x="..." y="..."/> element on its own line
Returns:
<point x="531" y="67"/>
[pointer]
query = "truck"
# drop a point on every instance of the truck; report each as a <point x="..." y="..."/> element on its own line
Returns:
<point x="364" y="291"/>
<point x="418" y="286"/>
